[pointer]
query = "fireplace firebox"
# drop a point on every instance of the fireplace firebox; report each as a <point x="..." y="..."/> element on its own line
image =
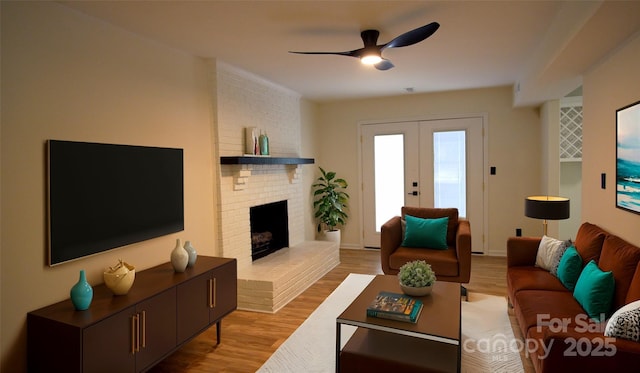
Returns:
<point x="269" y="228"/>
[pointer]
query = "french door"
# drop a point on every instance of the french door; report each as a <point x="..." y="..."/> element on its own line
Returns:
<point x="431" y="163"/>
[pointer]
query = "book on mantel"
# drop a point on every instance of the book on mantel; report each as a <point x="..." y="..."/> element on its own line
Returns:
<point x="395" y="306"/>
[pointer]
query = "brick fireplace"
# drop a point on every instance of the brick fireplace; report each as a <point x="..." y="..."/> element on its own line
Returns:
<point x="270" y="282"/>
<point x="269" y="228"/>
<point x="267" y="284"/>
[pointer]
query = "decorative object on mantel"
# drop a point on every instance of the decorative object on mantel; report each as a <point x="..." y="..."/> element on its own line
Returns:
<point x="416" y="278"/>
<point x="264" y="143"/>
<point x="331" y="204"/>
<point x="81" y="293"/>
<point x="193" y="255"/>
<point x="179" y="257"/>
<point x="119" y="278"/>
<point x="251" y="141"/>
<point x="256" y="142"/>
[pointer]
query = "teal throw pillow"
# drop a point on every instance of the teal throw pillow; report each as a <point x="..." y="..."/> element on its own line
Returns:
<point x="426" y="233"/>
<point x="569" y="268"/>
<point x="594" y="290"/>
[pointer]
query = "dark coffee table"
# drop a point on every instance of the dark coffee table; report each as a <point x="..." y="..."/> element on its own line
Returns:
<point x="431" y="344"/>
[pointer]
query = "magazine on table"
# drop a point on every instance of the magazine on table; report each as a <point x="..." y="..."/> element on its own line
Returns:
<point x="395" y="306"/>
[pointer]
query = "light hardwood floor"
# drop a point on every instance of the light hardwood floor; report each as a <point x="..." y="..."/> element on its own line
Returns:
<point x="249" y="338"/>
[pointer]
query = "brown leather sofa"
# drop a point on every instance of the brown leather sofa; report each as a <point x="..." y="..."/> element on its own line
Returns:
<point x="452" y="264"/>
<point x="550" y="318"/>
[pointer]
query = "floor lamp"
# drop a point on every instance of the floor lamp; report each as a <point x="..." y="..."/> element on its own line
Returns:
<point x="546" y="208"/>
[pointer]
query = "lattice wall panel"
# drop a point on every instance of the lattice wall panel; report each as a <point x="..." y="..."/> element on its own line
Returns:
<point x="571" y="132"/>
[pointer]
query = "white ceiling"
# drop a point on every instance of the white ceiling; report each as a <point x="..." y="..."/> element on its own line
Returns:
<point x="540" y="47"/>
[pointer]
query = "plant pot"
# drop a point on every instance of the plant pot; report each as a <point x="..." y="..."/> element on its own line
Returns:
<point x="332" y="236"/>
<point x="416" y="292"/>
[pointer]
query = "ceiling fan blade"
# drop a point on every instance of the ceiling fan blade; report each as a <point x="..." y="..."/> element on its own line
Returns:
<point x="384" y="65"/>
<point x="348" y="53"/>
<point x="413" y="36"/>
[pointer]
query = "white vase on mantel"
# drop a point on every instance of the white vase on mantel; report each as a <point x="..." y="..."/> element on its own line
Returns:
<point x="179" y="257"/>
<point x="332" y="236"/>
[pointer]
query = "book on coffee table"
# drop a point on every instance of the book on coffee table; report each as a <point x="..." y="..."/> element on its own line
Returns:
<point x="395" y="306"/>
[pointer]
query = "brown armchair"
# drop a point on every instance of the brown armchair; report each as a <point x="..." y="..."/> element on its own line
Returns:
<point x="452" y="264"/>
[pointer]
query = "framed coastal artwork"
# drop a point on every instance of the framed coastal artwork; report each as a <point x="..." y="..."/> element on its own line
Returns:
<point x="628" y="158"/>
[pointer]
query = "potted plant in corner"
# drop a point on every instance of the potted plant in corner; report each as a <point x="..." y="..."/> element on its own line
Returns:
<point x="330" y="203"/>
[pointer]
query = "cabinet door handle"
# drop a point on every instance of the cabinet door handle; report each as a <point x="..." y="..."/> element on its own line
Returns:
<point x="210" y="293"/>
<point x="138" y="332"/>
<point x="136" y="327"/>
<point x="133" y="334"/>
<point x="144" y="329"/>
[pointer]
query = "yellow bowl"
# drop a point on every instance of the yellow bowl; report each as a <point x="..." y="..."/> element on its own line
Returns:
<point x="120" y="283"/>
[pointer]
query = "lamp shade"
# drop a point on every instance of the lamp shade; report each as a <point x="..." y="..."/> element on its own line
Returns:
<point x="546" y="207"/>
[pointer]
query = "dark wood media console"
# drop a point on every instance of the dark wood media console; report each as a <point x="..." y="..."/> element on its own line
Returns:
<point x="132" y="332"/>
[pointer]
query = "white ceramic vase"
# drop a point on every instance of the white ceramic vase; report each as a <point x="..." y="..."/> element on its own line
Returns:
<point x="193" y="255"/>
<point x="179" y="257"/>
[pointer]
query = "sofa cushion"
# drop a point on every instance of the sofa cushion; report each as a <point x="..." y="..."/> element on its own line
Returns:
<point x="443" y="262"/>
<point x="634" y="287"/>
<point x="594" y="290"/>
<point x="433" y="213"/>
<point x="545" y="306"/>
<point x="532" y="278"/>
<point x="621" y="258"/>
<point x="549" y="253"/>
<point x="558" y="255"/>
<point x="425" y="233"/>
<point x="588" y="242"/>
<point x="569" y="268"/>
<point x="625" y="323"/>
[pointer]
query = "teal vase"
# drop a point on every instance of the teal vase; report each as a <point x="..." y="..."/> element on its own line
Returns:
<point x="81" y="293"/>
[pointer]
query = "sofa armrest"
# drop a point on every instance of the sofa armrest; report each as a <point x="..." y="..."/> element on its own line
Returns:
<point x="463" y="250"/>
<point x="390" y="240"/>
<point x="522" y="251"/>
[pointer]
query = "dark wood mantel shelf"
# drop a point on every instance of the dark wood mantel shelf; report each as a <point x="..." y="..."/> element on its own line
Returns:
<point x="265" y="160"/>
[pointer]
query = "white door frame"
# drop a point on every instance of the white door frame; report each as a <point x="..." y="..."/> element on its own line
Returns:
<point x="485" y="163"/>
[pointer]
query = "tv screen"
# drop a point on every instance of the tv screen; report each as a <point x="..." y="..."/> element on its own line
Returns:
<point x="104" y="196"/>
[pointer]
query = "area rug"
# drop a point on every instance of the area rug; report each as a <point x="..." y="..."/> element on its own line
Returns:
<point x="488" y="343"/>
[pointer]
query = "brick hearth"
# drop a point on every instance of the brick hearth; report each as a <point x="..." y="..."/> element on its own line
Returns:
<point x="268" y="284"/>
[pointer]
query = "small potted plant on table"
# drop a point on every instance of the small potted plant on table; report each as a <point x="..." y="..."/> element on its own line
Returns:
<point x="416" y="278"/>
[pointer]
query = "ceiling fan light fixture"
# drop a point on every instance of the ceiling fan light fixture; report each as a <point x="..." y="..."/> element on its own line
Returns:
<point x="371" y="59"/>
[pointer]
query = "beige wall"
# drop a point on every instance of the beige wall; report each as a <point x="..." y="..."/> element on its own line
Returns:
<point x="607" y="87"/>
<point x="571" y="187"/>
<point x="68" y="76"/>
<point x="550" y="157"/>
<point x="514" y="149"/>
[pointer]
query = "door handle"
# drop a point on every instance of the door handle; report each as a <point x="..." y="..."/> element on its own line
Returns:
<point x="414" y="193"/>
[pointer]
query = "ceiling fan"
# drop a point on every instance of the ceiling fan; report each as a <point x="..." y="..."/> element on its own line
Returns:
<point x="371" y="53"/>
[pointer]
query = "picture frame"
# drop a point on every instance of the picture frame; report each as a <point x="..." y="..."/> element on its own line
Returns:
<point x="628" y="158"/>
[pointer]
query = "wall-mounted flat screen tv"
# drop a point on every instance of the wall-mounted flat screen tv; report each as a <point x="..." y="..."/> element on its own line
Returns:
<point x="104" y="196"/>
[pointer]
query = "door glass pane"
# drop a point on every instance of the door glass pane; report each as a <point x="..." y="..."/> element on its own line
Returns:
<point x="389" y="176"/>
<point x="449" y="170"/>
